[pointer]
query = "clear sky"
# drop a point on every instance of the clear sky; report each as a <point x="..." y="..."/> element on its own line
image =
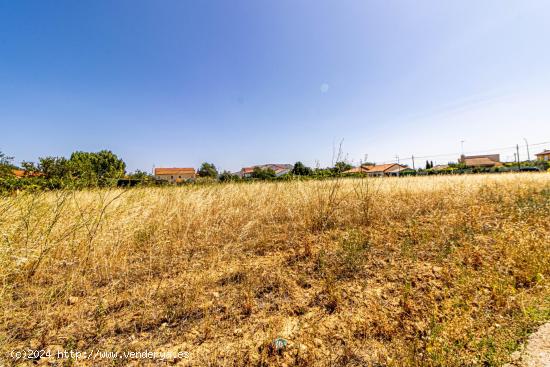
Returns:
<point x="176" y="83"/>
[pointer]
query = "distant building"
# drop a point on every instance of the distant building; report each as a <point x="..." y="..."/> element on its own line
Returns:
<point x="279" y="169"/>
<point x="19" y="173"/>
<point x="391" y="169"/>
<point x="360" y="169"/>
<point x="175" y="175"/>
<point x="544" y="155"/>
<point x="487" y="160"/>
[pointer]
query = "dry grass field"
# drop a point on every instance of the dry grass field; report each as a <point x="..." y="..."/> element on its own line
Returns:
<point x="426" y="271"/>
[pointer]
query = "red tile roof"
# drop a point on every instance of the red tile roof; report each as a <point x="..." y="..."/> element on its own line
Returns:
<point x="381" y="167"/>
<point x="492" y="157"/>
<point x="356" y="170"/>
<point x="22" y="173"/>
<point x="480" y="162"/>
<point x="189" y="172"/>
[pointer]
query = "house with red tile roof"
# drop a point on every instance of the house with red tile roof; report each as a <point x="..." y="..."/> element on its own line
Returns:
<point x="279" y="169"/>
<point x="360" y="169"/>
<point x="175" y="175"/>
<point x="390" y="169"/>
<point x="544" y="155"/>
<point x="486" y="160"/>
<point x="20" y="173"/>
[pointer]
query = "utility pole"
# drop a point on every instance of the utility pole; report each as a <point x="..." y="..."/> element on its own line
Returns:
<point x="527" y="145"/>
<point x="517" y="150"/>
<point x="397" y="157"/>
<point x="413" y="162"/>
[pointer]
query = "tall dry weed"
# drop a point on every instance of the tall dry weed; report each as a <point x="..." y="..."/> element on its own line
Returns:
<point x="431" y="271"/>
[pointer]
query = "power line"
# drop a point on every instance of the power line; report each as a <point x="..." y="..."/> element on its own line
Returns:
<point x="458" y="154"/>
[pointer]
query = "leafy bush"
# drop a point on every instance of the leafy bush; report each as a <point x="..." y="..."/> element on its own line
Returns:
<point x="6" y="165"/>
<point x="208" y="170"/>
<point x="227" y="176"/>
<point x="342" y="166"/>
<point x="300" y="169"/>
<point x="103" y="168"/>
<point x="263" y="173"/>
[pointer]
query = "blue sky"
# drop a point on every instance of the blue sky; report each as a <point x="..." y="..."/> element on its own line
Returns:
<point x="176" y="83"/>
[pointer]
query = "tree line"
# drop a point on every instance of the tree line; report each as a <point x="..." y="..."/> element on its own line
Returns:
<point x="266" y="173"/>
<point x="106" y="169"/>
<point x="81" y="169"/>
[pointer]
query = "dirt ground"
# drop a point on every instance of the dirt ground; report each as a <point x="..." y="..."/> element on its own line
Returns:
<point x="536" y="352"/>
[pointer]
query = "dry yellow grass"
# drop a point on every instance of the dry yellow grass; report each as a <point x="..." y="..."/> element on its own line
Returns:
<point x="427" y="271"/>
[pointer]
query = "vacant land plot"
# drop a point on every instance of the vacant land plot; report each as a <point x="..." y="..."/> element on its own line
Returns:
<point x="427" y="271"/>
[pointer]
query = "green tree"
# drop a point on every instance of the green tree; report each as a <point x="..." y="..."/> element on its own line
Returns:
<point x="140" y="175"/>
<point x="208" y="170"/>
<point x="300" y="169"/>
<point x="323" y="172"/>
<point x="96" y="169"/>
<point x="342" y="166"/>
<point x="227" y="176"/>
<point x="29" y="167"/>
<point x="263" y="173"/>
<point x="54" y="167"/>
<point x="6" y="165"/>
